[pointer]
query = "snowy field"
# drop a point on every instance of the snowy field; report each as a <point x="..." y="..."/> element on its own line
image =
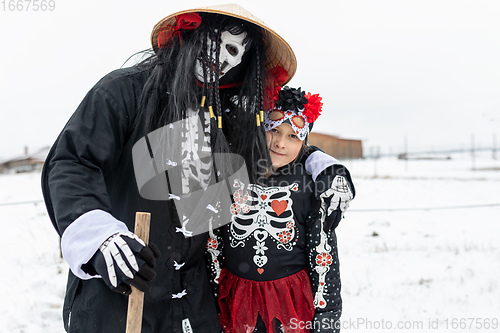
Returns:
<point x="419" y="249"/>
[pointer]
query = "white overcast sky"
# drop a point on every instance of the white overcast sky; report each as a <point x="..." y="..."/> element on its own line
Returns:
<point x="424" y="70"/>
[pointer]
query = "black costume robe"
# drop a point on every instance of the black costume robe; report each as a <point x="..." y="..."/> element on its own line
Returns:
<point x="90" y="167"/>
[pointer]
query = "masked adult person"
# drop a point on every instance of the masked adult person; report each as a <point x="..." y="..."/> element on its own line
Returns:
<point x="151" y="138"/>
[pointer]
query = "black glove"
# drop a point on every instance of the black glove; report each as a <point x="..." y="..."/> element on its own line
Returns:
<point x="124" y="260"/>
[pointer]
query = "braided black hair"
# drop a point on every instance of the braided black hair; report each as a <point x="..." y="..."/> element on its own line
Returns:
<point x="171" y="88"/>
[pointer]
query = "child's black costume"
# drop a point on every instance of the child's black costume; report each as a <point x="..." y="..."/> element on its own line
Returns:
<point x="279" y="253"/>
<point x="277" y="260"/>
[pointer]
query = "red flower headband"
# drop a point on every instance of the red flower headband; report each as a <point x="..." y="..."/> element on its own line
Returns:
<point x="188" y="21"/>
<point x="287" y="105"/>
<point x="312" y="107"/>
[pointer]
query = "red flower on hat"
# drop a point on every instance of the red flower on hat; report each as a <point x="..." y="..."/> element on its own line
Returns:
<point x="273" y="81"/>
<point x="187" y="21"/>
<point x="271" y="97"/>
<point x="276" y="77"/>
<point x="313" y="108"/>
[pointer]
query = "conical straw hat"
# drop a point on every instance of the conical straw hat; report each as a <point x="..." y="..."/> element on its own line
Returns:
<point x="277" y="53"/>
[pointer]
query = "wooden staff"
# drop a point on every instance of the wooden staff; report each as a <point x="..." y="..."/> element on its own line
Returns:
<point x="136" y="298"/>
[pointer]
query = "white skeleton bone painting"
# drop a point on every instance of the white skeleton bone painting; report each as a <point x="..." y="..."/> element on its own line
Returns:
<point x="341" y="193"/>
<point x="261" y="213"/>
<point x="196" y="152"/>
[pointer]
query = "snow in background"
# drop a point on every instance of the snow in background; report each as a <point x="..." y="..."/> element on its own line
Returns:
<point x="425" y="269"/>
<point x="33" y="273"/>
<point x="418" y="247"/>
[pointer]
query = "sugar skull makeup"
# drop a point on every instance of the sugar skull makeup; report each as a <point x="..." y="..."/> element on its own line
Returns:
<point x="298" y="122"/>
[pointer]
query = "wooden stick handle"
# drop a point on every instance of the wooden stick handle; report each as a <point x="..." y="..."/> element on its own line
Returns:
<point x="136" y="298"/>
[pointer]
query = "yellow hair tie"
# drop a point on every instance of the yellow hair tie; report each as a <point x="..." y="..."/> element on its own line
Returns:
<point x="211" y="110"/>
<point x="203" y="101"/>
<point x="261" y="116"/>
<point x="258" y="120"/>
<point x="220" y="122"/>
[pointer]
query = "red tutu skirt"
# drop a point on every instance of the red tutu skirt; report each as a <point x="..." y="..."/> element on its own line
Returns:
<point x="289" y="299"/>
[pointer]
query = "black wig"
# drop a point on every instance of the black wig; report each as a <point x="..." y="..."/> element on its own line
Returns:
<point x="236" y="98"/>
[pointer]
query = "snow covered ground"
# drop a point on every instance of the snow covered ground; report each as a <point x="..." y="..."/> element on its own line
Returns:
<point x="33" y="273"/>
<point x="419" y="249"/>
<point x="424" y="264"/>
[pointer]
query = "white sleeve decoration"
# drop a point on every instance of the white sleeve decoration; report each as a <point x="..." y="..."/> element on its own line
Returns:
<point x="319" y="161"/>
<point x="323" y="260"/>
<point x="214" y="249"/>
<point x="82" y="239"/>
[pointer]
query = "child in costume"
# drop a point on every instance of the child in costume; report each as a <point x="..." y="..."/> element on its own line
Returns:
<point x="276" y="263"/>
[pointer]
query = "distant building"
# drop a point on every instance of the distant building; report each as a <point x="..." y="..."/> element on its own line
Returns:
<point x="25" y="162"/>
<point x="337" y="147"/>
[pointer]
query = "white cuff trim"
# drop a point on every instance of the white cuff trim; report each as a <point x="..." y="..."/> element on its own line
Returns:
<point x="82" y="238"/>
<point x="319" y="161"/>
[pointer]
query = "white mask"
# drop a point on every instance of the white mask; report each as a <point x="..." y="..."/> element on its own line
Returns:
<point x="231" y="53"/>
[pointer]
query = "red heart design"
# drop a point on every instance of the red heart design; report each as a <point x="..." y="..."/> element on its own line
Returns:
<point x="279" y="206"/>
<point x="260" y="270"/>
<point x="322" y="303"/>
<point x="263" y="196"/>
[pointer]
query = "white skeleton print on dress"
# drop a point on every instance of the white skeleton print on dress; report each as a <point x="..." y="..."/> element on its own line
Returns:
<point x="262" y="213"/>
<point x="337" y="196"/>
<point x="214" y="252"/>
<point x="196" y="152"/>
